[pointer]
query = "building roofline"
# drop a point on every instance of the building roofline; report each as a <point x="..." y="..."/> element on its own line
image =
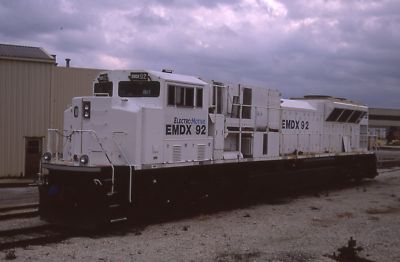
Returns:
<point x="25" y="53"/>
<point x="35" y="60"/>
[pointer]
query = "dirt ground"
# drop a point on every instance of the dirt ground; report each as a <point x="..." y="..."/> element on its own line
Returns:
<point x="306" y="227"/>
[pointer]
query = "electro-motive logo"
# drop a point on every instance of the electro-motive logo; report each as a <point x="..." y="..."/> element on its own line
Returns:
<point x="186" y="126"/>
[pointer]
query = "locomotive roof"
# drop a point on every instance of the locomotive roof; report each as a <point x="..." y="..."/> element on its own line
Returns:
<point x="172" y="77"/>
<point x="178" y="78"/>
<point x="330" y="98"/>
<point x="297" y="104"/>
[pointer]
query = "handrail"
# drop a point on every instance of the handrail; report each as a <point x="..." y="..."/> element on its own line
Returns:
<point x="371" y="144"/>
<point x="102" y="149"/>
<point x="240" y="128"/>
<point x="50" y="131"/>
<point x="240" y="132"/>
<point x="93" y="133"/>
<point x="126" y="160"/>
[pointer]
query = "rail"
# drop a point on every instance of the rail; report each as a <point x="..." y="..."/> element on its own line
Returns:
<point x="34" y="235"/>
<point x="19" y="211"/>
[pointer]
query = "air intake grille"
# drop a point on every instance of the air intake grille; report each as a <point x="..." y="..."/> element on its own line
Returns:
<point x="176" y="153"/>
<point x="201" y="152"/>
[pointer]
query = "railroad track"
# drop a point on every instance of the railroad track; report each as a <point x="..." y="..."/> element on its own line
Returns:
<point x="31" y="235"/>
<point x="35" y="235"/>
<point x="20" y="211"/>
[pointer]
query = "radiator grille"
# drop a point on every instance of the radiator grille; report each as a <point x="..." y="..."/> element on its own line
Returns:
<point x="176" y="153"/>
<point x="201" y="152"/>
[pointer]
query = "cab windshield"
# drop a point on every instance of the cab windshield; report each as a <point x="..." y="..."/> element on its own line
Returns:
<point x="103" y="89"/>
<point x="139" y="89"/>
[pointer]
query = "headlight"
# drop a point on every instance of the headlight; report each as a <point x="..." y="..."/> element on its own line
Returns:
<point x="47" y="156"/>
<point x="86" y="109"/>
<point x="83" y="160"/>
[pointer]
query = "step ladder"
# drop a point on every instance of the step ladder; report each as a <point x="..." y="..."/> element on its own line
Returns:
<point x="116" y="208"/>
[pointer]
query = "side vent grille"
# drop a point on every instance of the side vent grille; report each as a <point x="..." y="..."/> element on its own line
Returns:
<point x="201" y="152"/>
<point x="176" y="153"/>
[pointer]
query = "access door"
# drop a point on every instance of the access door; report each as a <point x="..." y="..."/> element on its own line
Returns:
<point x="33" y="153"/>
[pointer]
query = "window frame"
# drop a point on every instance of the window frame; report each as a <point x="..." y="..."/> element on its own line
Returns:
<point x="345" y="115"/>
<point x="199" y="105"/>
<point x="334" y="115"/>
<point x="110" y="87"/>
<point x="178" y="96"/>
<point x="355" y="116"/>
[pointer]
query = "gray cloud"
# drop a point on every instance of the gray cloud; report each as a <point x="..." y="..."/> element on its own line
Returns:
<point x="333" y="47"/>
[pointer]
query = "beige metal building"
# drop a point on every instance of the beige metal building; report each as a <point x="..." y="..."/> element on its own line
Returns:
<point x="384" y="117"/>
<point x="384" y="123"/>
<point x="34" y="94"/>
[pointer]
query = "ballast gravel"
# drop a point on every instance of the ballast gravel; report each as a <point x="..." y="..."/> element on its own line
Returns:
<point x="301" y="228"/>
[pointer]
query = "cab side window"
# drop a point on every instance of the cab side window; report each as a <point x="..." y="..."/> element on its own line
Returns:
<point x="185" y="96"/>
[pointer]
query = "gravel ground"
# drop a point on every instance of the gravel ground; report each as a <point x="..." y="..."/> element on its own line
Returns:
<point x="302" y="228"/>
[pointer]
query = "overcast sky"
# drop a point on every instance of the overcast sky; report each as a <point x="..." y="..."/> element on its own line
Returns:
<point x="348" y="48"/>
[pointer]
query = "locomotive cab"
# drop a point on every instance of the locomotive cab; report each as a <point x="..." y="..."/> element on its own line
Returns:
<point x="138" y="118"/>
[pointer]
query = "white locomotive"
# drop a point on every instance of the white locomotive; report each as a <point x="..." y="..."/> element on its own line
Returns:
<point x="148" y="137"/>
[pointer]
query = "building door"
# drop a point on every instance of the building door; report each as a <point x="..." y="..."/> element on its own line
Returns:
<point x="33" y="153"/>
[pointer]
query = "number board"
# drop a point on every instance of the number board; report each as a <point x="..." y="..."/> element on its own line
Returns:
<point x="138" y="76"/>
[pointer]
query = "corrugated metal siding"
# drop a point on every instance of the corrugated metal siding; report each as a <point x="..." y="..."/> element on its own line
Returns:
<point x="28" y="92"/>
<point x="24" y="102"/>
<point x="67" y="83"/>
